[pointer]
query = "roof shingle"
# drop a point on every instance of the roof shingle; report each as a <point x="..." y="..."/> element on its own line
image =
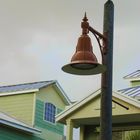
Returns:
<point x="10" y="121"/>
<point x="26" y="86"/>
<point x="132" y="91"/>
<point x="135" y="74"/>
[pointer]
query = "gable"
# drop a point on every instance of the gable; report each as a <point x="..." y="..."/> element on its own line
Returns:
<point x="26" y="102"/>
<point x="33" y="87"/>
<point x="90" y="110"/>
<point x="123" y="107"/>
<point x="49" y="94"/>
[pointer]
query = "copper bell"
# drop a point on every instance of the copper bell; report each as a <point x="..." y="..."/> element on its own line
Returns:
<point x="84" y="57"/>
<point x="83" y="62"/>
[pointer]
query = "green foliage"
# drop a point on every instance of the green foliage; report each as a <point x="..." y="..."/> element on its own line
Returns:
<point x="134" y="135"/>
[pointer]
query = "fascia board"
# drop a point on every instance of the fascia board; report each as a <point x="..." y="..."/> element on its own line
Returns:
<point x="77" y="105"/>
<point x="18" y="92"/>
<point x="63" y="94"/>
<point x="127" y="99"/>
<point x="132" y="78"/>
<point x="93" y="95"/>
<point x="21" y="127"/>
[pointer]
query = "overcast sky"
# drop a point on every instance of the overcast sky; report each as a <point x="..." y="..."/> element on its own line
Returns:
<point x="38" y="37"/>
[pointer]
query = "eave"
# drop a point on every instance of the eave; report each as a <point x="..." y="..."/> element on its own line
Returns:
<point x="18" y="92"/>
<point x="12" y="122"/>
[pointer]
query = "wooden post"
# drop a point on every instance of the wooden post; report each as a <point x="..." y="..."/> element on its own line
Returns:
<point x="69" y="131"/>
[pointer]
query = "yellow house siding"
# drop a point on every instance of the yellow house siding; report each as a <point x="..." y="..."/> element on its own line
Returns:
<point x="92" y="108"/>
<point x="51" y="95"/>
<point x="19" y="106"/>
<point x="88" y="110"/>
<point x="119" y="110"/>
<point x="135" y="83"/>
<point x="86" y="113"/>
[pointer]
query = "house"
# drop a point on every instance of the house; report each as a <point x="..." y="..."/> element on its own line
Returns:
<point x="134" y="78"/>
<point x="10" y="128"/>
<point x="27" y="111"/>
<point x="85" y="114"/>
<point x="134" y="89"/>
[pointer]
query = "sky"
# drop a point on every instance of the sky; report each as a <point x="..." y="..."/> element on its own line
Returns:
<point x="38" y="37"/>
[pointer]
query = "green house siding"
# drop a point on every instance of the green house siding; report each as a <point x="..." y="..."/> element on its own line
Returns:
<point x="7" y="133"/>
<point x="41" y="123"/>
<point x="19" y="106"/>
<point x="50" y="131"/>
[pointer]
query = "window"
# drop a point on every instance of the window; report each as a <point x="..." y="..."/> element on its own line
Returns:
<point x="50" y="110"/>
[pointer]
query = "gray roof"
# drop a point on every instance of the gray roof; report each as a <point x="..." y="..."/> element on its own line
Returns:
<point x="135" y="74"/>
<point x="23" y="88"/>
<point x="132" y="91"/>
<point x="26" y="86"/>
<point x="12" y="122"/>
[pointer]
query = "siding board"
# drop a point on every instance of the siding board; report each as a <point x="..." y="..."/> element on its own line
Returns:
<point x="40" y="122"/>
<point x="19" y="106"/>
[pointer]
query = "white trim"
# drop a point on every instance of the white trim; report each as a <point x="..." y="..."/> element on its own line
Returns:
<point x="21" y="127"/>
<point x="44" y="102"/>
<point x="127" y="99"/>
<point x="133" y="79"/>
<point x="54" y="123"/>
<point x="76" y="105"/>
<point x="54" y="82"/>
<point x="133" y="75"/>
<point x="34" y="106"/>
<point x="63" y="94"/>
<point x="10" y="121"/>
<point x="18" y="92"/>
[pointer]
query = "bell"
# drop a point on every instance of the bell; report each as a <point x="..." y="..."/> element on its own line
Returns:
<point x="84" y="62"/>
<point x="84" y="57"/>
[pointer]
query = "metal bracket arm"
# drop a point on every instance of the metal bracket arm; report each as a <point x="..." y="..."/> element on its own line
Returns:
<point x="99" y="37"/>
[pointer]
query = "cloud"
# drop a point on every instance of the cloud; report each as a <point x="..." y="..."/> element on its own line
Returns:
<point x="37" y="37"/>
